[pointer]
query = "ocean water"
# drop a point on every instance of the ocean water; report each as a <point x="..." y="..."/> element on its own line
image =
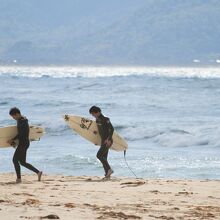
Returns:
<point x="170" y="118"/>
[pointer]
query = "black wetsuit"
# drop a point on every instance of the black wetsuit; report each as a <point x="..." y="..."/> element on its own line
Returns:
<point x="21" y="150"/>
<point x="106" y="131"/>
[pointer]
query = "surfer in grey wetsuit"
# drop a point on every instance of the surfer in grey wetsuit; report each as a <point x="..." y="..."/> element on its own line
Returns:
<point x="19" y="157"/>
<point x="106" y="130"/>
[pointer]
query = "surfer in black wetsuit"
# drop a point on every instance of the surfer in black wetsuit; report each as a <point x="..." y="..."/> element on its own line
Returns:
<point x="106" y="130"/>
<point x="19" y="157"/>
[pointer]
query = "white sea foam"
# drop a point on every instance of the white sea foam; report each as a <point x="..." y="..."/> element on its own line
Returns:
<point x="108" y="71"/>
<point x="172" y="126"/>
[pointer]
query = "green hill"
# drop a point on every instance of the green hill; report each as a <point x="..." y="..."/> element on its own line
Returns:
<point x="122" y="32"/>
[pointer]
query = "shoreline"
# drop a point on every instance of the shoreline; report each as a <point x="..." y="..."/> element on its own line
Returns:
<point x="88" y="197"/>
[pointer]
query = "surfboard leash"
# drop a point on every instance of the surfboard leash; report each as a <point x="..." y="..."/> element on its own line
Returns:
<point x="128" y="165"/>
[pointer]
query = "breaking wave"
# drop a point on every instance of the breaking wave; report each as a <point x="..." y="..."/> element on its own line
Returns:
<point x="106" y="71"/>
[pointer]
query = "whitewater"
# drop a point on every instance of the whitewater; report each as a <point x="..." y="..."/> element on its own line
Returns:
<point x="170" y="117"/>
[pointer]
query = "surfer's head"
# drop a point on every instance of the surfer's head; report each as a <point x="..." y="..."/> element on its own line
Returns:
<point x="15" y="113"/>
<point x="95" y="111"/>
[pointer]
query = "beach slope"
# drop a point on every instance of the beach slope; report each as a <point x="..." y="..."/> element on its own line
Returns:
<point x="72" y="197"/>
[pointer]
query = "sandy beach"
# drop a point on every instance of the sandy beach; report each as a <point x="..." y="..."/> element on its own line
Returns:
<point x="71" y="197"/>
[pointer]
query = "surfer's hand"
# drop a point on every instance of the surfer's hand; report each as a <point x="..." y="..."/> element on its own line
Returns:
<point x="108" y="142"/>
<point x="12" y="143"/>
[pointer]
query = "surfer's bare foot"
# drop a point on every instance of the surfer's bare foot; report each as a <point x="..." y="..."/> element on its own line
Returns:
<point x="109" y="173"/>
<point x="18" y="180"/>
<point x="39" y="175"/>
<point x="106" y="178"/>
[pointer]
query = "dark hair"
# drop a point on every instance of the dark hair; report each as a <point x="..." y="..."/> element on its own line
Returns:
<point x="14" y="111"/>
<point x="94" y="109"/>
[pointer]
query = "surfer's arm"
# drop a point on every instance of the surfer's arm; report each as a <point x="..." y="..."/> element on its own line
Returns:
<point x="109" y="140"/>
<point x="11" y="142"/>
<point x="110" y="129"/>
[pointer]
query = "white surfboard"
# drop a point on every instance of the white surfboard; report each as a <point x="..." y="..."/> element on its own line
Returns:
<point x="7" y="133"/>
<point x="88" y="129"/>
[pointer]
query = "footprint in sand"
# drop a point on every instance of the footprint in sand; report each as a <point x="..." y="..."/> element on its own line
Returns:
<point x="118" y="215"/>
<point x="133" y="184"/>
<point x="54" y="188"/>
<point x="5" y="201"/>
<point x="57" y="204"/>
<point x="22" y="194"/>
<point x="50" y="217"/>
<point x="70" y="205"/>
<point x="185" y="193"/>
<point x="175" y="208"/>
<point x="26" y="217"/>
<point x="155" y="191"/>
<point x="31" y="202"/>
<point x="162" y="217"/>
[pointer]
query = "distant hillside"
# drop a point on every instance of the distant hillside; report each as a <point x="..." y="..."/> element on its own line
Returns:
<point x="126" y="32"/>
